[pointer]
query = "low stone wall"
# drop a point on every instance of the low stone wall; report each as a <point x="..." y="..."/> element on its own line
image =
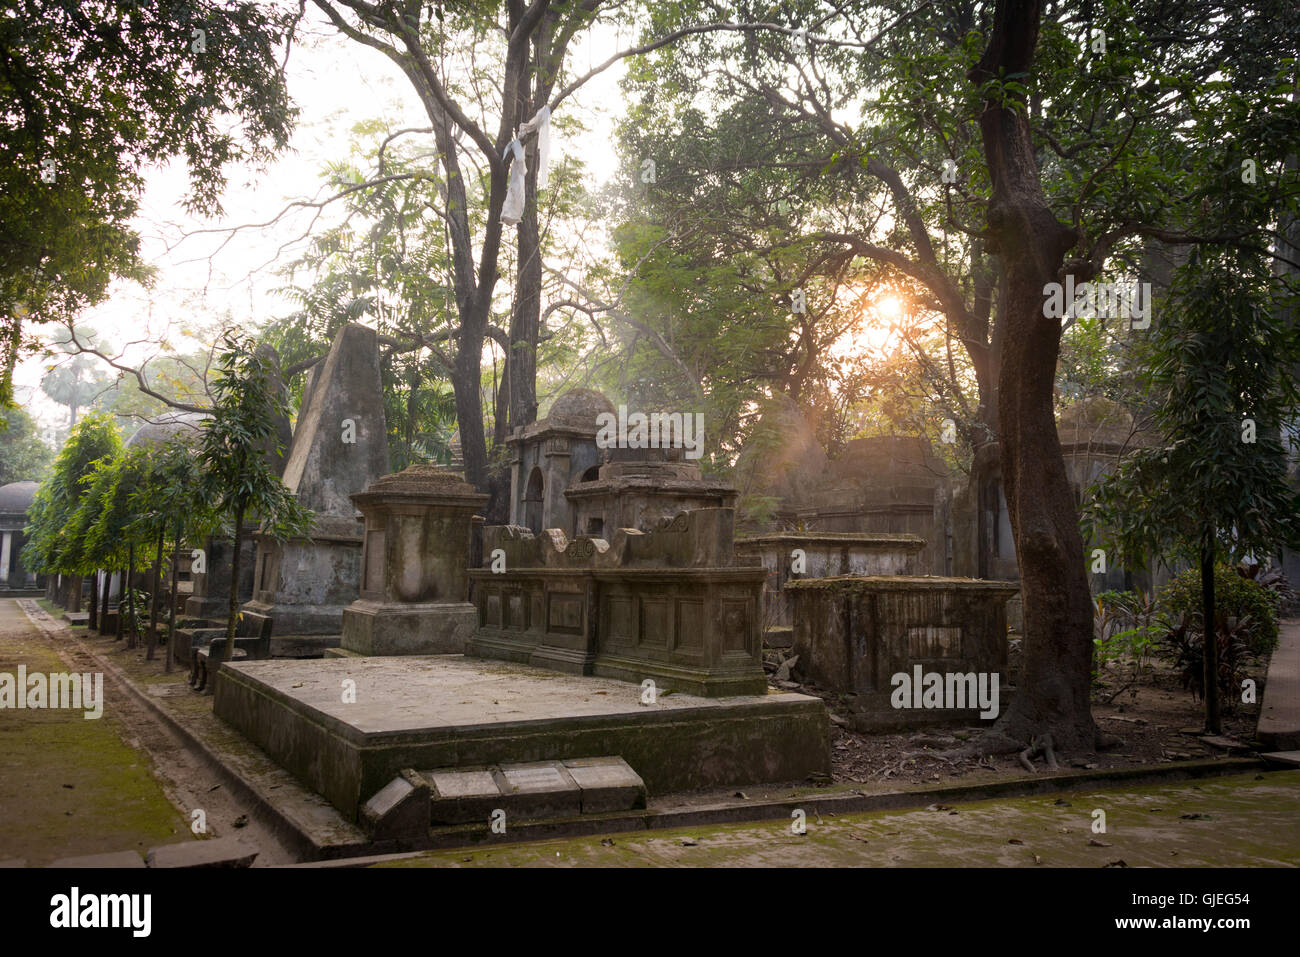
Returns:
<point x="825" y="555"/>
<point x="668" y="604"/>
<point x="854" y="635"/>
<point x="693" y="630"/>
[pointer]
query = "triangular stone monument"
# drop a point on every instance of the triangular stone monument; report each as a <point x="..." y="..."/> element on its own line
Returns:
<point x="340" y="446"/>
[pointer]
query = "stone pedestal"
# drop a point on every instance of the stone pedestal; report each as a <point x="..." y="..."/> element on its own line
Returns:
<point x="414" y="578"/>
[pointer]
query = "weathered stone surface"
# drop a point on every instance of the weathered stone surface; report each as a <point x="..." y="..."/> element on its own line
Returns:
<point x="381" y="628"/>
<point x="339" y="447"/>
<point x="550" y="455"/>
<point x="667" y="605"/>
<point x="1279" y="710"/>
<point x="220" y="852"/>
<point x="112" y="859"/>
<point x="449" y="712"/>
<point x="540" y="789"/>
<point x="399" y="809"/>
<point x="608" y="784"/>
<point x="414" y="581"/>
<point x="462" y="796"/>
<point x="853" y="634"/>
<point x="824" y="555"/>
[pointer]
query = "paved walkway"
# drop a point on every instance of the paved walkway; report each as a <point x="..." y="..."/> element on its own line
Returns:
<point x="1279" y="713"/>
<point x="1244" y="820"/>
<point x="71" y="786"/>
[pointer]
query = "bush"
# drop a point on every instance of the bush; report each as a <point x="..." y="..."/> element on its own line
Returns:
<point x="1246" y="627"/>
<point x="1235" y="597"/>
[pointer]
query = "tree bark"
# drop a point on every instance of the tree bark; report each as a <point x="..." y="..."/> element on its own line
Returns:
<point x="104" y="600"/>
<point x="132" y="637"/>
<point x="170" y="658"/>
<point x="1053" y="695"/>
<point x="232" y="611"/>
<point x="151" y="641"/>
<point x="121" y="599"/>
<point x="1209" y="639"/>
<point x="92" y="605"/>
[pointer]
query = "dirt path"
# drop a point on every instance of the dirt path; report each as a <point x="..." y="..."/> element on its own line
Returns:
<point x="169" y="782"/>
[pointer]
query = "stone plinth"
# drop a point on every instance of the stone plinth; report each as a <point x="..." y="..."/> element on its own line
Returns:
<point x="451" y="711"/>
<point x="824" y="555"/>
<point x="414" y="575"/>
<point x="854" y="635"/>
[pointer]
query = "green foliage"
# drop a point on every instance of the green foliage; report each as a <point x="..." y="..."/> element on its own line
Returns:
<point x="94" y="438"/>
<point x="1127" y="630"/>
<point x="236" y="478"/>
<point x="1235" y="597"/>
<point x="1221" y="391"/>
<point x="23" y="456"/>
<point x="94" y="93"/>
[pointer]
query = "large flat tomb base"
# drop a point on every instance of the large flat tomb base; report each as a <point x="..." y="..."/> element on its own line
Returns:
<point x="347" y="726"/>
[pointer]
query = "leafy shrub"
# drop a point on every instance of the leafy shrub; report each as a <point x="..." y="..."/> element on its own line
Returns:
<point x="1245" y="614"/>
<point x="1235" y="597"/>
<point x="1127" y="628"/>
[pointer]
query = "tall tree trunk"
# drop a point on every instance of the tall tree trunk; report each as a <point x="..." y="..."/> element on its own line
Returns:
<point x="469" y="410"/>
<point x="121" y="600"/>
<point x="151" y="641"/>
<point x="232" y="611"/>
<point x="132" y="638"/>
<point x="1209" y="639"/>
<point x="1054" y="687"/>
<point x="93" y="605"/>
<point x="170" y="657"/>
<point x="107" y="590"/>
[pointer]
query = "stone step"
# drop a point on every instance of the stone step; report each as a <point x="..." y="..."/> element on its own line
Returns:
<point x="342" y="653"/>
<point x="77" y="617"/>
<point x="1290" y="759"/>
<point x="538" y="789"/>
<point x="111" y="859"/>
<point x="223" y="852"/>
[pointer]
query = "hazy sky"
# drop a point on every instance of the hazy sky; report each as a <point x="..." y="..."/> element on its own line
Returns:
<point x="335" y="83"/>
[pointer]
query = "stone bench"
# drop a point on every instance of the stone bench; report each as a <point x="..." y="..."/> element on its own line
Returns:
<point x="252" y="647"/>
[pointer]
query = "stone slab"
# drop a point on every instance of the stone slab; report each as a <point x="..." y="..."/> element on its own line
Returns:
<point x="400" y="809"/>
<point x="608" y="784"/>
<point x="449" y="711"/>
<point x="1290" y="759"/>
<point x="221" y="852"/>
<point x="423" y="628"/>
<point x="112" y="859"/>
<point x="76" y="617"/>
<point x="541" y="789"/>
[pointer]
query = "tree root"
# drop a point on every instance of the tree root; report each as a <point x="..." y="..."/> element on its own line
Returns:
<point x="1041" y="744"/>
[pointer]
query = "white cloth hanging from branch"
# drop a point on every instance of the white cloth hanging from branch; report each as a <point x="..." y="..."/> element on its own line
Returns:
<point x="512" y="210"/>
<point x="541" y="122"/>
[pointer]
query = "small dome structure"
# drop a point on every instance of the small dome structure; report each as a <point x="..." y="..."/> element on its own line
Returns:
<point x="579" y="408"/>
<point x="16" y="497"/>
